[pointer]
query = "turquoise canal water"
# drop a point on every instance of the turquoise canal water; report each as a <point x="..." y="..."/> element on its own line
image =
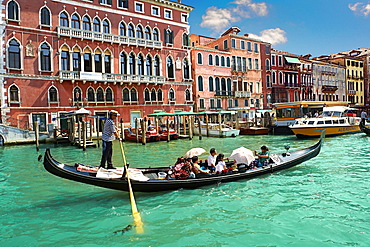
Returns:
<point x="322" y="202"/>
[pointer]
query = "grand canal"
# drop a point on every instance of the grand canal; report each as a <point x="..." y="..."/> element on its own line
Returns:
<point x="322" y="202"/>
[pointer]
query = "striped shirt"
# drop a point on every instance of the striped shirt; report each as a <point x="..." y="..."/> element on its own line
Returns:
<point x="109" y="130"/>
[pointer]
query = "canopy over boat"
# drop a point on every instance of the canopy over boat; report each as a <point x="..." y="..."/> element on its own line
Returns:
<point x="156" y="178"/>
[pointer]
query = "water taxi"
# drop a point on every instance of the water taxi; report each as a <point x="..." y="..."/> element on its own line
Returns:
<point x="337" y="120"/>
<point x="216" y="130"/>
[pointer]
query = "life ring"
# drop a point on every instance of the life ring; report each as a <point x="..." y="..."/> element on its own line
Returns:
<point x="64" y="133"/>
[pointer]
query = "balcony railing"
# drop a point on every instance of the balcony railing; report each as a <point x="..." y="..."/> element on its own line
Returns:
<point x="224" y="93"/>
<point x="352" y="92"/>
<point x="76" y="75"/>
<point x="106" y="37"/>
<point x="242" y="94"/>
<point x="291" y="84"/>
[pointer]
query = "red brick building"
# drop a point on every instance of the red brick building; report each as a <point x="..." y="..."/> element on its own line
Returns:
<point x="132" y="56"/>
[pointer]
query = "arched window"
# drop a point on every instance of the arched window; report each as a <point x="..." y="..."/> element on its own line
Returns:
<point x="45" y="16"/>
<point x="75" y="21"/>
<point x="146" y="95"/>
<point x="125" y="95"/>
<point x="107" y="62"/>
<point x="200" y="58"/>
<point x="98" y="61"/>
<point x="200" y="83"/>
<point x="229" y="84"/>
<point x="86" y="23"/>
<point x="267" y="64"/>
<point x="96" y="25"/>
<point x="171" y="94"/>
<point x="140" y="65"/>
<point x="133" y="94"/>
<point x="99" y="95"/>
<point x="273" y="75"/>
<point x="148" y="65"/>
<point x="53" y="94"/>
<point x="187" y="95"/>
<point x="131" y="32"/>
<point x="87" y="60"/>
<point x="155" y="34"/>
<point x="45" y="57"/>
<point x="77" y="95"/>
<point x="223" y="85"/>
<point x="217" y="60"/>
<point x="76" y="59"/>
<point x="218" y="86"/>
<point x="185" y="39"/>
<point x="139" y="32"/>
<point x="64" y="58"/>
<point x="153" y="95"/>
<point x="63" y="19"/>
<point x="186" y="69"/>
<point x="281" y="78"/>
<point x="157" y="71"/>
<point x="228" y="62"/>
<point x="109" y="94"/>
<point x="211" y="87"/>
<point x="251" y="87"/>
<point x="148" y="34"/>
<point x="122" y="29"/>
<point x="123" y="62"/>
<point x="14" y="54"/>
<point x="13" y="11"/>
<point x="14" y="93"/>
<point x="106" y="26"/>
<point x="210" y="59"/>
<point x="132" y="64"/>
<point x="90" y="95"/>
<point x="170" y="68"/>
<point x="160" y="95"/>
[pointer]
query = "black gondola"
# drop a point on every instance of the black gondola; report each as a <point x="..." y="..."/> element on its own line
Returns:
<point x="363" y="127"/>
<point x="154" y="183"/>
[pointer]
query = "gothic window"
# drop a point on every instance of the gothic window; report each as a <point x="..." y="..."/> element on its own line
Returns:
<point x="77" y="95"/>
<point x="131" y="32"/>
<point x="107" y="63"/>
<point x="146" y="95"/>
<point x="171" y="94"/>
<point x="122" y="29"/>
<point x="14" y="93"/>
<point x="106" y="26"/>
<point x="86" y="23"/>
<point x="109" y="94"/>
<point x="99" y="95"/>
<point x="148" y="65"/>
<point x="132" y="64"/>
<point x="187" y="95"/>
<point x="75" y="21"/>
<point x="64" y="58"/>
<point x="160" y="95"/>
<point x="96" y="25"/>
<point x="13" y="11"/>
<point x="14" y="54"/>
<point x="98" y="61"/>
<point x="45" y="16"/>
<point x="139" y="32"/>
<point x="133" y="94"/>
<point x="185" y="39"/>
<point x="140" y="65"/>
<point x="123" y="62"/>
<point x="186" y="69"/>
<point x="155" y="34"/>
<point x="153" y="95"/>
<point x="63" y="19"/>
<point x="148" y="34"/>
<point x="170" y="68"/>
<point x="53" y="94"/>
<point x="125" y="95"/>
<point x="90" y="95"/>
<point x="156" y="66"/>
<point x="45" y="57"/>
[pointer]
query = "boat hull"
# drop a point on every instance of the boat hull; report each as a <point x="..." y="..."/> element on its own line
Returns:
<point x="151" y="138"/>
<point x="217" y="133"/>
<point x="254" y="131"/>
<point x="330" y="131"/>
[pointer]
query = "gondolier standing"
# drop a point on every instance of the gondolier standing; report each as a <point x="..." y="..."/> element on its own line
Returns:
<point x="110" y="133"/>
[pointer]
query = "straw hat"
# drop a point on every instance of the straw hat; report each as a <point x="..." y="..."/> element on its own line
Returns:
<point x="114" y="112"/>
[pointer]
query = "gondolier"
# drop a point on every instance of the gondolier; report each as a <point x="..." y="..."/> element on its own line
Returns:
<point x="110" y="133"/>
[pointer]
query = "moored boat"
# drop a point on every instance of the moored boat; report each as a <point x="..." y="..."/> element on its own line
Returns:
<point x="151" y="135"/>
<point x="156" y="178"/>
<point x="215" y="130"/>
<point x="336" y="120"/>
<point x="254" y="130"/>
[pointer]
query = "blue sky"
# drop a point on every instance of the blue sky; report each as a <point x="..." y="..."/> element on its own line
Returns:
<point x="316" y="27"/>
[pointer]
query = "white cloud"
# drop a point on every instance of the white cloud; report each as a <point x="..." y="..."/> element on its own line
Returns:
<point x="360" y="8"/>
<point x="273" y="36"/>
<point x="221" y="18"/>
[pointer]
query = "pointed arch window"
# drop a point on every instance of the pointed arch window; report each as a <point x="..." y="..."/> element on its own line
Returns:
<point x="96" y="25"/>
<point x="109" y="95"/>
<point x="132" y="64"/>
<point x="186" y="69"/>
<point x="45" y="16"/>
<point x="75" y="21"/>
<point x="187" y="95"/>
<point x="64" y="58"/>
<point x="185" y="39"/>
<point x="13" y="11"/>
<point x="140" y="65"/>
<point x="130" y="30"/>
<point x="148" y="34"/>
<point x="122" y="29"/>
<point x="139" y="32"/>
<point x="45" y="57"/>
<point x="53" y="94"/>
<point x="125" y="95"/>
<point x="155" y="34"/>
<point x="160" y="95"/>
<point x="170" y="68"/>
<point x="107" y="63"/>
<point x="86" y="23"/>
<point x="14" y="93"/>
<point x="156" y="66"/>
<point x="123" y="63"/>
<point x="146" y="95"/>
<point x="77" y="95"/>
<point x="133" y="94"/>
<point x="171" y="94"/>
<point x="148" y="65"/>
<point x="76" y="60"/>
<point x="100" y="95"/>
<point x="153" y="95"/>
<point x="106" y="26"/>
<point x="14" y="54"/>
<point x="168" y="36"/>
<point x="87" y="61"/>
<point x="63" y="19"/>
<point x="90" y="95"/>
<point x="98" y="61"/>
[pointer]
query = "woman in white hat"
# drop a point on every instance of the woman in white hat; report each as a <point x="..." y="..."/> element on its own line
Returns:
<point x="110" y="133"/>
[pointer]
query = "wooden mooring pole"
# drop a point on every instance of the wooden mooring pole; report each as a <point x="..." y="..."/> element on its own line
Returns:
<point x="36" y="127"/>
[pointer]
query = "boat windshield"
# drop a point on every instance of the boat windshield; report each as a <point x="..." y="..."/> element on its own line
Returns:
<point x="331" y="114"/>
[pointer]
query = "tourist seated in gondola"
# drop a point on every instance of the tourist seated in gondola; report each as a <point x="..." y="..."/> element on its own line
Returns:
<point x="197" y="169"/>
<point x="220" y="164"/>
<point x="212" y="160"/>
<point x="263" y="156"/>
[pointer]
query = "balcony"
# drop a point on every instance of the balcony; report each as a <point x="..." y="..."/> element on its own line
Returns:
<point x="224" y="93"/>
<point x="242" y="94"/>
<point x="107" y="77"/>
<point x="106" y="37"/>
<point x="352" y="92"/>
<point x="329" y="89"/>
<point x="291" y="84"/>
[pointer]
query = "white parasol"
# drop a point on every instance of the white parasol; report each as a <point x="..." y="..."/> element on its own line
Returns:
<point x="194" y="152"/>
<point x="242" y="155"/>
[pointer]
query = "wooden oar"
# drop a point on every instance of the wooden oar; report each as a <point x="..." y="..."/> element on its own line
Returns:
<point x="137" y="218"/>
